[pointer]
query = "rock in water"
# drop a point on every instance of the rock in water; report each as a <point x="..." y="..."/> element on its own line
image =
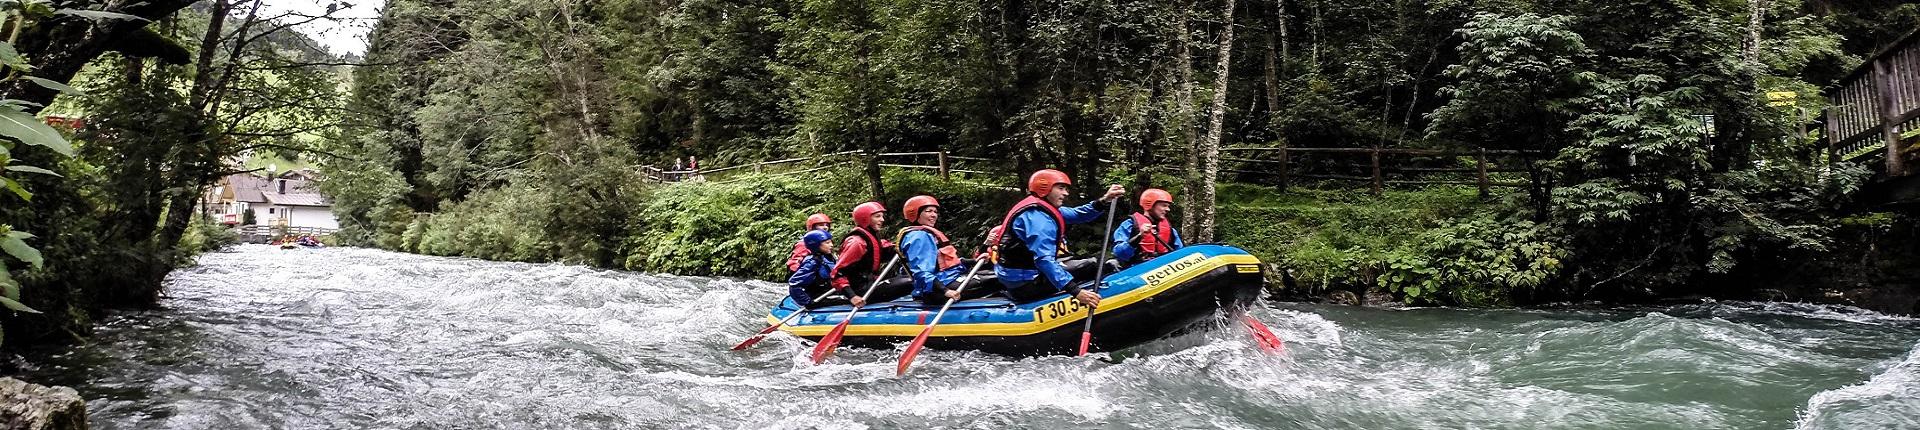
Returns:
<point x="39" y="407"/>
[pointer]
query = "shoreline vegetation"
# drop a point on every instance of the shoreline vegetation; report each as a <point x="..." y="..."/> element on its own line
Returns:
<point x="1440" y="245"/>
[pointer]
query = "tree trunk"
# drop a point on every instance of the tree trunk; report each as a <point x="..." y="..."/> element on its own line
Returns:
<point x="1756" y="17"/>
<point x="1280" y="18"/>
<point x="1209" y="150"/>
<point x="135" y="71"/>
<point x="873" y="175"/>
<point x="209" y="47"/>
<point x="1273" y="82"/>
<point x="1183" y="110"/>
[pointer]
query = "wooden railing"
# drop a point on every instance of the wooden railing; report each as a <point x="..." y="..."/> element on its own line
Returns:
<point x="266" y="233"/>
<point x="942" y="163"/>
<point x="1283" y="164"/>
<point x="1383" y="166"/>
<point x="1876" y="106"/>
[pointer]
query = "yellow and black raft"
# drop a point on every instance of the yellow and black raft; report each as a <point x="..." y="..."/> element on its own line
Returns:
<point x="1139" y="304"/>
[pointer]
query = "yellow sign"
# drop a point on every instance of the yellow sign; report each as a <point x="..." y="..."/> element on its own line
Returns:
<point x="1782" y="98"/>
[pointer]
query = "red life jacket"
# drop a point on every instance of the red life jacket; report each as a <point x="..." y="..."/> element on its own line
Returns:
<point x="799" y="254"/>
<point x="949" y="256"/>
<point x="869" y="262"/>
<point x="1153" y="245"/>
<point x="1018" y="256"/>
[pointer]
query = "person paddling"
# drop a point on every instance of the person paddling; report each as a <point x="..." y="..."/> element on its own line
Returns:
<point x="815" y="222"/>
<point x="1032" y="240"/>
<point x="932" y="261"/>
<point x="1148" y="233"/>
<point x="809" y="284"/>
<point x="861" y="255"/>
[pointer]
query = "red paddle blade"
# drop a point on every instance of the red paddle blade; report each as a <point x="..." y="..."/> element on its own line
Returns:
<point x="913" y="349"/>
<point x="1086" y="338"/>
<point x="1263" y="336"/>
<point x="756" y="337"/>
<point x="825" y="348"/>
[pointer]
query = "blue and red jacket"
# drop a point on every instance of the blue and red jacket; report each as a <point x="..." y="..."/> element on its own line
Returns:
<point x="931" y="261"/>
<point x="1032" y="241"/>
<point x="815" y="271"/>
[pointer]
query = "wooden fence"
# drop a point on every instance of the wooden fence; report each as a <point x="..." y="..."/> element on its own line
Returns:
<point x="1282" y="164"/>
<point x="1874" y="107"/>
<point x="942" y="163"/>
<point x="260" y="233"/>
<point x="1383" y="166"/>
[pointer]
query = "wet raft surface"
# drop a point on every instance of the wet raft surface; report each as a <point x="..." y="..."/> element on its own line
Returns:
<point x="353" y="338"/>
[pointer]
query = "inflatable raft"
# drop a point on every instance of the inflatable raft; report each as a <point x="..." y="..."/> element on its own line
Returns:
<point x="1139" y="304"/>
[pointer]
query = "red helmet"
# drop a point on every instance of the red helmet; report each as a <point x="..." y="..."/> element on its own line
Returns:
<point x="863" y="214"/>
<point x="912" y="209"/>
<point x="817" y="219"/>
<point x="1043" y="181"/>
<point x="1153" y="195"/>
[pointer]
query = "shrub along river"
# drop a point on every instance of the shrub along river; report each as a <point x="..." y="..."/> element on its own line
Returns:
<point x="358" y="338"/>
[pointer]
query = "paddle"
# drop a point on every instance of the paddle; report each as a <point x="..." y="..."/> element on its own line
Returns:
<point x="1263" y="336"/>
<point x="827" y="344"/>
<point x="913" y="349"/>
<point x="1099" y="273"/>
<point x="770" y="328"/>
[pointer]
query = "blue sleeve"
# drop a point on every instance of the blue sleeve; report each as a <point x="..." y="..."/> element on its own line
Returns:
<point x="1037" y="230"/>
<point x="797" y="283"/>
<point x="1082" y="214"/>
<point x="1177" y="243"/>
<point x="923" y="261"/>
<point x="1122" y="250"/>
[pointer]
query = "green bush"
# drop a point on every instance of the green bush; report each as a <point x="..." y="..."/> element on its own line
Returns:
<point x="1439" y="244"/>
<point x="745" y="227"/>
<point x="497" y="224"/>
<point x="204" y="235"/>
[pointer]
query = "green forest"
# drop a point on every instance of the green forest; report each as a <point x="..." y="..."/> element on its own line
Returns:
<point x="532" y="131"/>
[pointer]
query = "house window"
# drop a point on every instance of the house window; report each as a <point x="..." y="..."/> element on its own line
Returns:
<point x="270" y="210"/>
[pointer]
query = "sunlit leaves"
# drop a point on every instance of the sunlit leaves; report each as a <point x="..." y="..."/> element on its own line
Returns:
<point x="29" y="130"/>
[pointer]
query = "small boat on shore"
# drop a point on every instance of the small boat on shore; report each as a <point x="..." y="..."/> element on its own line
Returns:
<point x="1139" y="304"/>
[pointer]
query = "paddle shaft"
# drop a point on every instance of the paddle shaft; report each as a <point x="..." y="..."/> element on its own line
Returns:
<point x="957" y="294"/>
<point x="770" y="328"/>
<point x="877" y="279"/>
<point x="832" y="339"/>
<point x="913" y="349"/>
<point x="1099" y="273"/>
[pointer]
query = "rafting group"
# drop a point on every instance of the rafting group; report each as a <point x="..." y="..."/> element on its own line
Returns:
<point x="1025" y="303"/>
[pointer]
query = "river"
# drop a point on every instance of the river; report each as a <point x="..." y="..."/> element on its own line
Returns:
<point x="356" y="338"/>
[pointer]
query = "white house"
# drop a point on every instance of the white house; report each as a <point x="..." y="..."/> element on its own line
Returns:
<point x="286" y="200"/>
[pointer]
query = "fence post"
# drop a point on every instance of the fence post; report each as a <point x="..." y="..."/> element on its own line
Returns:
<point x="1376" y="169"/>
<point x="943" y="167"/>
<point x="1896" y="158"/>
<point x="1283" y="169"/>
<point x="1480" y="159"/>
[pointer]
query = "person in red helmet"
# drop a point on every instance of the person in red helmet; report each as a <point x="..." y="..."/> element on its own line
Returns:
<point x="1148" y="233"/>
<point x="862" y="256"/>
<point x="1032" y="240"/>
<point x="932" y="261"/>
<point x="815" y="222"/>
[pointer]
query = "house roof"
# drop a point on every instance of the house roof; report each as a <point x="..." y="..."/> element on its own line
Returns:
<point x="297" y="199"/>
<point x="246" y="188"/>
<point x="250" y="188"/>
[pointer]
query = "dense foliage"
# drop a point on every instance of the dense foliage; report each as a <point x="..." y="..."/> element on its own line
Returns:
<point x="162" y="123"/>
<point x="515" y="130"/>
